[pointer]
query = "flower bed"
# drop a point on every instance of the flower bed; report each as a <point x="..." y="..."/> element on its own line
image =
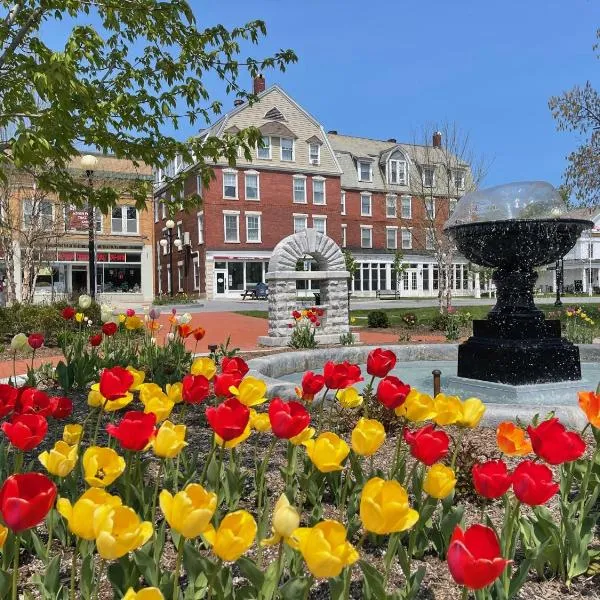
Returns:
<point x="201" y="487"/>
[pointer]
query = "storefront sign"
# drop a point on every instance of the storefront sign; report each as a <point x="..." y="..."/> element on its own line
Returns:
<point x="66" y="256"/>
<point x="77" y="219"/>
<point x="82" y="256"/>
<point x="102" y="257"/>
<point x="121" y="257"/>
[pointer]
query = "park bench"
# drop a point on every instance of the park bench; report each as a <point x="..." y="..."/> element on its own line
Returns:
<point x="387" y="294"/>
<point x="258" y="292"/>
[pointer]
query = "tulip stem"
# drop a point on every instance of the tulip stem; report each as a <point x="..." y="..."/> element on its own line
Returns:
<point x="73" y="570"/>
<point x="219" y="470"/>
<point x="18" y="461"/>
<point x="389" y="556"/>
<point x="99" y="579"/>
<point x="155" y="497"/>
<point x="347" y="581"/>
<point x="15" y="573"/>
<point x="394" y="467"/>
<point x="100" y="411"/>
<point x="277" y="568"/>
<point x="508" y="545"/>
<point x="177" y="567"/>
<point x="207" y="462"/>
<point x="457" y="447"/>
<point x="465" y="593"/>
<point x="50" y="532"/>
<point x="321" y="409"/>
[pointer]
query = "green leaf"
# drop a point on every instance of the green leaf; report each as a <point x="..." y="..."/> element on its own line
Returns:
<point x="336" y="586"/>
<point x="296" y="589"/>
<point x="270" y="582"/>
<point x="251" y="572"/>
<point x="373" y="582"/>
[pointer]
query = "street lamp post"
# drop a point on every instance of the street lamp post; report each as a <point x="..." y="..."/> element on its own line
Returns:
<point x="168" y="241"/>
<point x="559" y="283"/>
<point x="88" y="162"/>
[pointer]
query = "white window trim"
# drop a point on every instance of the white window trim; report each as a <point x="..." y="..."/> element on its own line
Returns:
<point x="370" y="196"/>
<point x="402" y="246"/>
<point x="320" y="218"/>
<point x="409" y="198"/>
<point x="389" y="171"/>
<point x="462" y="172"/>
<point x="179" y="230"/>
<point x="270" y="157"/>
<point x="252" y="172"/>
<point x="302" y="177"/>
<point x="310" y="160"/>
<point x="343" y="202"/>
<point x="299" y="215"/>
<point x="393" y="197"/>
<point x="227" y="213"/>
<point x="281" y="150"/>
<point x="428" y="167"/>
<point x="200" y="217"/>
<point x="344" y="235"/>
<point x="237" y="184"/>
<point x="196" y="265"/>
<point x="366" y="162"/>
<point x="180" y="280"/>
<point x="428" y="214"/>
<point x="169" y="278"/>
<point x="324" y="191"/>
<point x="164" y="209"/>
<point x="393" y="228"/>
<point x="254" y="213"/>
<point x="124" y="222"/>
<point x="367" y="228"/>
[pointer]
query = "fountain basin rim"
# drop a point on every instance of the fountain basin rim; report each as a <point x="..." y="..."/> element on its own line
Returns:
<point x="583" y="223"/>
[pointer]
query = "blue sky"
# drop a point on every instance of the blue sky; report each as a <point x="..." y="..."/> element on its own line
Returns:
<point x="386" y="68"/>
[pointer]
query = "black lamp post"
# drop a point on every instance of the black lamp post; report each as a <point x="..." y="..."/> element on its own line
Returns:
<point x="559" y="281"/>
<point x="168" y="241"/>
<point x="88" y="162"/>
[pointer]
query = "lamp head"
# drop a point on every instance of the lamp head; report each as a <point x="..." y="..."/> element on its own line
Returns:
<point x="163" y="243"/>
<point x="88" y="161"/>
<point x="178" y="243"/>
<point x="170" y="224"/>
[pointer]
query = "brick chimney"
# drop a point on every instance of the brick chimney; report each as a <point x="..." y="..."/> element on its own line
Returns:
<point x="259" y="84"/>
<point x="437" y="139"/>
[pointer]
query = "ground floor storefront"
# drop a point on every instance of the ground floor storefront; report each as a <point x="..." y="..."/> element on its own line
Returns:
<point x="581" y="276"/>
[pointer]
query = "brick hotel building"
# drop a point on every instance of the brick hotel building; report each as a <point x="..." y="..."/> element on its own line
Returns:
<point x="360" y="192"/>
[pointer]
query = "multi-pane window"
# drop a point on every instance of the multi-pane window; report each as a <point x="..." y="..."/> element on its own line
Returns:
<point x="428" y="176"/>
<point x="39" y="214"/>
<point x="430" y="208"/>
<point x="287" y="149"/>
<point x="406" y="239"/>
<point x="300" y="223"/>
<point x="201" y="228"/>
<point x="429" y="239"/>
<point x="343" y="203"/>
<point x="196" y="275"/>
<point x="253" y="228"/>
<point x="364" y="171"/>
<point x="391" y="238"/>
<point x="232" y="228"/>
<point x="458" y="176"/>
<point x="252" y="186"/>
<point x="300" y="189"/>
<point x="180" y="278"/>
<point x="314" y="152"/>
<point x="366" y="237"/>
<point x="230" y="184"/>
<point x="124" y="219"/>
<point x="265" y="150"/>
<point x="397" y="172"/>
<point x="365" y="205"/>
<point x="320" y="224"/>
<point x="406" y="207"/>
<point x="390" y="207"/>
<point x="318" y="190"/>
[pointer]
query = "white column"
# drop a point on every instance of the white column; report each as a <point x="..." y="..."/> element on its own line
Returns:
<point x="477" y="286"/>
<point x="584" y="280"/>
<point x="555" y="281"/>
<point x="17" y="273"/>
<point x="147" y="274"/>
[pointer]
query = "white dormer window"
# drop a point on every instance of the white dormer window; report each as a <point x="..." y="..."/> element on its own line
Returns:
<point x="287" y="149"/>
<point x="428" y="176"/>
<point x="314" y="154"/>
<point x="265" y="151"/>
<point x="458" y="176"/>
<point x="365" y="171"/>
<point x="397" y="172"/>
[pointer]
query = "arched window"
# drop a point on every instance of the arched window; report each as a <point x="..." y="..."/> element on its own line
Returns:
<point x="397" y="171"/>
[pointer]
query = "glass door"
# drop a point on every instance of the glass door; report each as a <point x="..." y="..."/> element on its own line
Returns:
<point x="220" y="282"/>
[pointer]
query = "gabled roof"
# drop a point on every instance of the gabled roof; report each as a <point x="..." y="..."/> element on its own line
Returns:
<point x="278" y="129"/>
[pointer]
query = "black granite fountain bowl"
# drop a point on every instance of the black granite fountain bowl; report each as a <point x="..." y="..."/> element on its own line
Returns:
<point x="517" y="243"/>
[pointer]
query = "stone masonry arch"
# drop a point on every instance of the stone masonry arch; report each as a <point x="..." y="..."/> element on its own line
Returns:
<point x="282" y="277"/>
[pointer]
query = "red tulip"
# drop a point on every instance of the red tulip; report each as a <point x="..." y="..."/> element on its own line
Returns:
<point x="392" y="392"/>
<point x="34" y="401"/>
<point x="198" y="333"/>
<point x="474" y="558"/>
<point x="224" y="381"/>
<point x="35" y="340"/>
<point x="532" y="483"/>
<point x="552" y="442"/>
<point x="109" y="328"/>
<point x="184" y="330"/>
<point x="296" y="314"/>
<point x="63" y="407"/>
<point x="380" y="362"/>
<point x="427" y="444"/>
<point x="95" y="340"/>
<point x="339" y="376"/>
<point x="311" y="384"/>
<point x="287" y="419"/>
<point x="491" y="479"/>
<point x="196" y="388"/>
<point x="8" y="399"/>
<point x="68" y="313"/>
<point x="130" y="312"/>
<point x="319" y="311"/>
<point x="25" y="500"/>
<point x="229" y="419"/>
<point x="135" y="430"/>
<point x="234" y="364"/>
<point x="115" y="382"/>
<point x="25" y="432"/>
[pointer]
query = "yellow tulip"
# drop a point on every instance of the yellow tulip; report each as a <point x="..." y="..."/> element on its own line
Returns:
<point x="235" y="441"/>
<point x="189" y="511"/>
<point x="79" y="317"/>
<point x="327" y="452"/>
<point x="251" y="391"/>
<point x="286" y="520"/>
<point x="122" y="318"/>
<point x="138" y="378"/>
<point x="448" y="409"/>
<point x="384" y="507"/>
<point x="80" y="516"/>
<point x="148" y="391"/>
<point x="439" y="481"/>
<point x="260" y="421"/>
<point x="96" y="399"/>
<point x="234" y="536"/>
<point x="324" y="548"/>
<point x="61" y="460"/>
<point x="169" y="440"/>
<point x="472" y="412"/>
<point x="72" y="434"/>
<point x="119" y="531"/>
<point x="149" y="593"/>
<point x="349" y="398"/>
<point x="204" y="366"/>
<point x="101" y="466"/>
<point x="175" y="392"/>
<point x="417" y="407"/>
<point x="3" y="535"/>
<point x="160" y="406"/>
<point x="367" y="437"/>
<point x="133" y="323"/>
<point x="306" y="434"/>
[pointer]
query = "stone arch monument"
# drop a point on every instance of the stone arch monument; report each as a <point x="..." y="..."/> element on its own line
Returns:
<point x="333" y="285"/>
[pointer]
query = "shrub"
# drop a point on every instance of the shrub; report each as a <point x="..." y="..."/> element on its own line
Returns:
<point x="377" y="318"/>
<point x="347" y="339"/>
<point x="304" y="328"/>
<point x="176" y="299"/>
<point x="409" y="319"/>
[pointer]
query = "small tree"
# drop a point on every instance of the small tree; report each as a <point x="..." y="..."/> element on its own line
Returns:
<point x="398" y="266"/>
